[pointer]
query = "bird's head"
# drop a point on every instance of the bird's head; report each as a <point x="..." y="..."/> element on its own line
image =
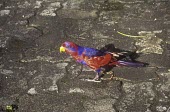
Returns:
<point x="68" y="47"/>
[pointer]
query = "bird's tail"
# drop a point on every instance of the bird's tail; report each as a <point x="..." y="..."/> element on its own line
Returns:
<point x="131" y="64"/>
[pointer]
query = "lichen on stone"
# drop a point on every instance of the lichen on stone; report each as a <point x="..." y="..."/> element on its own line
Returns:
<point x="150" y="44"/>
<point x="76" y="90"/>
<point x="76" y="14"/>
<point x="4" y="12"/>
<point x="50" y="10"/>
<point x="32" y="91"/>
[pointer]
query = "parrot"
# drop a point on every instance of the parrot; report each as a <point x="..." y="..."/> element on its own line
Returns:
<point x="96" y="59"/>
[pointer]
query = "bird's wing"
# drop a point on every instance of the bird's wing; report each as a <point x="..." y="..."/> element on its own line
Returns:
<point x="96" y="62"/>
<point x="91" y="52"/>
<point x="84" y="53"/>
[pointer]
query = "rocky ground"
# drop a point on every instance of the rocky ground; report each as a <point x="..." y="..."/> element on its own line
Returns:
<point x="34" y="77"/>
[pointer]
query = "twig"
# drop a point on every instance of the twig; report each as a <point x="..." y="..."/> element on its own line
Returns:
<point x="130" y="35"/>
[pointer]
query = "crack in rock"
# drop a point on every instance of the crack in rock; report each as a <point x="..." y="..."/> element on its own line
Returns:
<point x="135" y="95"/>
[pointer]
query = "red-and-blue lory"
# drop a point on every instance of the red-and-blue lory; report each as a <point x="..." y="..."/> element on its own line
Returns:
<point x="96" y="59"/>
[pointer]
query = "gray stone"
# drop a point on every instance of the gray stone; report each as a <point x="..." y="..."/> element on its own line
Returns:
<point x="165" y="87"/>
<point x="72" y="4"/>
<point x="142" y="93"/>
<point x="150" y="43"/>
<point x="57" y="77"/>
<point x="103" y="105"/>
<point x="84" y="26"/>
<point x="33" y="71"/>
<point x="50" y="9"/>
<point x="4" y="101"/>
<point x="76" y="90"/>
<point x="161" y="108"/>
<point x="32" y="91"/>
<point x="6" y="72"/>
<point x="23" y="84"/>
<point x="61" y="65"/>
<point x="76" y="14"/>
<point x="53" y="88"/>
<point x="26" y="4"/>
<point x="168" y="110"/>
<point x="54" y="79"/>
<point x="38" y="4"/>
<point x="87" y="69"/>
<point x="98" y="35"/>
<point x="3" y="41"/>
<point x="4" y="12"/>
<point x="41" y="58"/>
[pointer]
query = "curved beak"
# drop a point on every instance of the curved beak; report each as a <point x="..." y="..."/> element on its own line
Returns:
<point x="62" y="49"/>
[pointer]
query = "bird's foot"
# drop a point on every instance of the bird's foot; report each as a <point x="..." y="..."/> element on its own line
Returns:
<point x="96" y="79"/>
